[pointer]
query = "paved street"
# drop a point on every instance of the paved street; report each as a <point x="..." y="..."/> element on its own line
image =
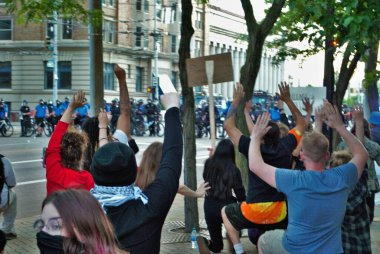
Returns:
<point x="25" y="154"/>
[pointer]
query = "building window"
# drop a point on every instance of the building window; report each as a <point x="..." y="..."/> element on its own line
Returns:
<point x="198" y="20"/>
<point x="129" y="71"/>
<point x="5" y="29"/>
<point x="139" y="78"/>
<point x="107" y="2"/>
<point x="50" y="29"/>
<point x="64" y="75"/>
<point x="67" y="29"/>
<point x="174" y="78"/>
<point x="146" y="5"/>
<point x="108" y="31"/>
<point x="198" y="48"/>
<point x="108" y="76"/>
<point x="138" y="34"/>
<point x="174" y="44"/>
<point x="138" y="5"/>
<point x="6" y="75"/>
<point x="146" y="38"/>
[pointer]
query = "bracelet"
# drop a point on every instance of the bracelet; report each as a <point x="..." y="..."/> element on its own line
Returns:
<point x="102" y="139"/>
<point x="102" y="127"/>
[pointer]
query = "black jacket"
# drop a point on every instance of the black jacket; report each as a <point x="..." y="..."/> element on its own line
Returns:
<point x="138" y="226"/>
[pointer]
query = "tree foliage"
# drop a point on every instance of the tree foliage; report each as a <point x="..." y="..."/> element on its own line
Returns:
<point x="38" y="10"/>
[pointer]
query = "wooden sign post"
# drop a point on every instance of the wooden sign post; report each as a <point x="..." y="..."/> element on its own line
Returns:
<point x="208" y="70"/>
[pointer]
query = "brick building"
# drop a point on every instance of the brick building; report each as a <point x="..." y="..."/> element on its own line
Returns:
<point x="128" y="26"/>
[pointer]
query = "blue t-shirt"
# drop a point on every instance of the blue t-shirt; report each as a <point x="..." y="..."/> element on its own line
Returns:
<point x="58" y="110"/>
<point x="41" y="111"/>
<point x="82" y="111"/>
<point x="65" y="105"/>
<point x="3" y="110"/>
<point x="316" y="207"/>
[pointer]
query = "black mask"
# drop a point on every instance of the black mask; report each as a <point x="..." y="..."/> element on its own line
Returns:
<point x="49" y="244"/>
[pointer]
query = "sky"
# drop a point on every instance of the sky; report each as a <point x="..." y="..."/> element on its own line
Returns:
<point x="303" y="71"/>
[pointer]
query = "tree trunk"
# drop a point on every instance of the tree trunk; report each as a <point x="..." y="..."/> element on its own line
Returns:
<point x="98" y="63"/>
<point x="346" y="71"/>
<point x="328" y="77"/>
<point x="190" y="173"/>
<point x="249" y="71"/>
<point x="371" y="80"/>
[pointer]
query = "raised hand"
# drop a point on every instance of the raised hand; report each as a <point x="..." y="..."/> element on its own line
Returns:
<point x="103" y="119"/>
<point x="284" y="94"/>
<point x="78" y="100"/>
<point x="357" y="113"/>
<point x="238" y="93"/>
<point x="170" y="100"/>
<point x="308" y="105"/>
<point x="332" y="116"/>
<point x="261" y="127"/>
<point x="119" y="72"/>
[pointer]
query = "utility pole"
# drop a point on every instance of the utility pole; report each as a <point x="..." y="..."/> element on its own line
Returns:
<point x="155" y="54"/>
<point x="55" y="58"/>
<point x="91" y="63"/>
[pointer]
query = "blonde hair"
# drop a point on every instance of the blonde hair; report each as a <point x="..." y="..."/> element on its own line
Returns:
<point x="340" y="157"/>
<point x="149" y="165"/>
<point x="284" y="130"/>
<point x="314" y="145"/>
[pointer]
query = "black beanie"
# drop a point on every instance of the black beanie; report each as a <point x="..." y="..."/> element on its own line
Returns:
<point x="114" y="164"/>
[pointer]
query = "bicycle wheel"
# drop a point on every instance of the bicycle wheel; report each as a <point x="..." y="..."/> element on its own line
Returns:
<point x="29" y="130"/>
<point x="7" y="130"/>
<point x="48" y="129"/>
<point x="159" y="129"/>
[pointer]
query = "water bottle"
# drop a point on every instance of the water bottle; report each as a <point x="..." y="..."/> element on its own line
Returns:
<point x="193" y="239"/>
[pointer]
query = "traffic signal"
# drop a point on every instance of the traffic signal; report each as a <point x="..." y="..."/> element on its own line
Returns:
<point x="47" y="43"/>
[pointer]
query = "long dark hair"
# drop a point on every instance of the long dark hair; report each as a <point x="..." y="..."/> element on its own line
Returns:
<point x="219" y="170"/>
<point x="91" y="128"/>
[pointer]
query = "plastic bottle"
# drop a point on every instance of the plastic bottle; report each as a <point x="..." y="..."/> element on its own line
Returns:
<point x="194" y="238"/>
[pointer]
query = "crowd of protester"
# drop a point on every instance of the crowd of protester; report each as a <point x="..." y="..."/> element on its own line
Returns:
<point x="298" y="199"/>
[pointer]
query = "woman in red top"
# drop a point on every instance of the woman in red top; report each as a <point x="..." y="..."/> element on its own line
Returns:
<point x="64" y="154"/>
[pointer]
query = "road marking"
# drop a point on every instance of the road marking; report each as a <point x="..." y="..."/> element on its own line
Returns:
<point x="21" y="162"/>
<point x="31" y="182"/>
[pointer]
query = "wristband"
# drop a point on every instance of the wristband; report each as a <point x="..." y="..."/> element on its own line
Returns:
<point x="102" y="139"/>
<point x="102" y="127"/>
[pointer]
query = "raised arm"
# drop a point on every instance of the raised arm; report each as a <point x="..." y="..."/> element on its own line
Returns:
<point x="162" y="190"/>
<point x="247" y="115"/>
<point x="297" y="116"/>
<point x="256" y="163"/>
<point x="103" y="125"/>
<point x="229" y="124"/>
<point x="357" y="116"/>
<point x="124" y="121"/>
<point x="333" y="119"/>
<point x="308" y="107"/>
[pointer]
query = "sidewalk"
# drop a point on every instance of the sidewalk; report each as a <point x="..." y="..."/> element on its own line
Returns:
<point x="173" y="239"/>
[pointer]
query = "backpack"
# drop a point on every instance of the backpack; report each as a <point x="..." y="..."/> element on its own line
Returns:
<point x="2" y="175"/>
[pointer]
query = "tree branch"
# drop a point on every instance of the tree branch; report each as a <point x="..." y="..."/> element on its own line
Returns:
<point x="250" y="19"/>
<point x="270" y="19"/>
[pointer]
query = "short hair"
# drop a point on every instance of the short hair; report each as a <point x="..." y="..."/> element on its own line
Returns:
<point x="339" y="158"/>
<point x="73" y="145"/>
<point x="314" y="145"/>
